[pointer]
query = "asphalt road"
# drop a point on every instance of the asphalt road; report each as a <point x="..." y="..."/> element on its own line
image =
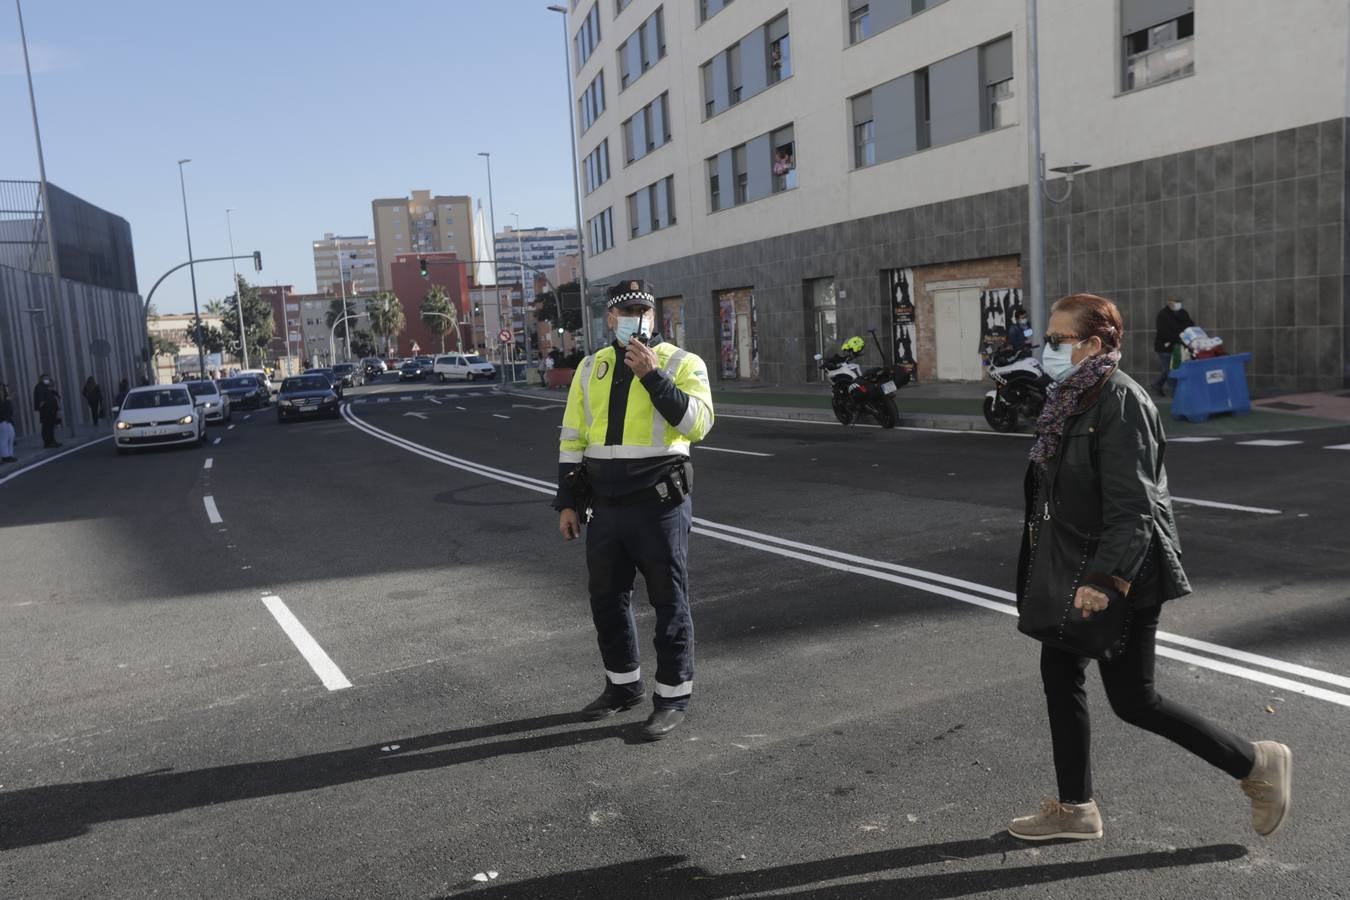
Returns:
<point x="359" y="682"/>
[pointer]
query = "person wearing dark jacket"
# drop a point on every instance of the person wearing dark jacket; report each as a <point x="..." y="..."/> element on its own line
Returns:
<point x="49" y="414"/>
<point x="1172" y="321"/>
<point x="93" y="395"/>
<point x="1099" y="540"/>
<point x="6" y="425"/>
<point x="122" y="389"/>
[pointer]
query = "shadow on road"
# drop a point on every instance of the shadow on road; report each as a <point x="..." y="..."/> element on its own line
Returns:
<point x="675" y="878"/>
<point x="59" y="812"/>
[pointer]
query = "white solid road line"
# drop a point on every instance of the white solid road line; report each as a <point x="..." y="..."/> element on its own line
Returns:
<point x="1192" y="440"/>
<point x="53" y="458"/>
<point x="995" y="599"/>
<point x="725" y="450"/>
<point x="500" y="416"/>
<point x="212" y="513"/>
<point x="318" y="660"/>
<point x="1267" y="443"/>
<point x="1339" y="447"/>
<point x="1213" y="504"/>
<point x="209" y="463"/>
<point x="461" y="408"/>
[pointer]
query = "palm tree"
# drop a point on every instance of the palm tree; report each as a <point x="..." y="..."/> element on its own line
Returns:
<point x="439" y="314"/>
<point x="386" y="316"/>
<point x="215" y="308"/>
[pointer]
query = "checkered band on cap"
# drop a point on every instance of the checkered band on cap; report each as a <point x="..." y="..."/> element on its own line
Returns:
<point x="630" y="292"/>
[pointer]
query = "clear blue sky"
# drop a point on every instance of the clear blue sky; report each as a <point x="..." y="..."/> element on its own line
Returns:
<point x="297" y="113"/>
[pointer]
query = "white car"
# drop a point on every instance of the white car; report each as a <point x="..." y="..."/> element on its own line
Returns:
<point x="463" y="366"/>
<point x="158" y="414"/>
<point x="214" y="405"/>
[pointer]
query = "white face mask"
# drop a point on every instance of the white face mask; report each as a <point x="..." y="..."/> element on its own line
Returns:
<point x="628" y="326"/>
<point x="1059" y="364"/>
<point x="1175" y="307"/>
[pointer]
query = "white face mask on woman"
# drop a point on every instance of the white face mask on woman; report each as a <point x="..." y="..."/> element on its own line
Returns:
<point x="1058" y="361"/>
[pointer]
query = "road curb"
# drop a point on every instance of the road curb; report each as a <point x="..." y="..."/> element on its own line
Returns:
<point x="907" y="420"/>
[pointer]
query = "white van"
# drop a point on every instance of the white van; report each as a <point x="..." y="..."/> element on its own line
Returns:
<point x="463" y="366"/>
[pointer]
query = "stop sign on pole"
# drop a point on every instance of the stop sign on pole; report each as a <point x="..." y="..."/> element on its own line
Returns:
<point x="505" y="336"/>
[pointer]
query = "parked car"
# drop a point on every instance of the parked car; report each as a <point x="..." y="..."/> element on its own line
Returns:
<point x="332" y="377"/>
<point x="307" y="396"/>
<point x="412" y="370"/>
<point x="463" y="367"/>
<point x="245" y="392"/>
<point x="348" y="374"/>
<point x="214" y="405"/>
<point x="158" y="414"/>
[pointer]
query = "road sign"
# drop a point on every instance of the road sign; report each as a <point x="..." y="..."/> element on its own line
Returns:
<point x="505" y="336"/>
<point x="415" y="348"/>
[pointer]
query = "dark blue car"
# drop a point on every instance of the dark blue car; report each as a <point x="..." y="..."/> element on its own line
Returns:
<point x="245" y="392"/>
<point x="307" y="397"/>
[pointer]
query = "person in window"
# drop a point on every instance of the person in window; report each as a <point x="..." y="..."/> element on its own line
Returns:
<point x="782" y="161"/>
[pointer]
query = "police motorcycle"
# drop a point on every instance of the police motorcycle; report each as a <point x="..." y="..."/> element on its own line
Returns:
<point x="855" y="390"/>
<point x="1020" y="387"/>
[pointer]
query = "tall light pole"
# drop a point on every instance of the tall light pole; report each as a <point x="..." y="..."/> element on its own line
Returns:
<point x="1035" y="223"/>
<point x="192" y="269"/>
<point x="342" y="286"/>
<point x="1068" y="172"/>
<point x="47" y="221"/>
<point x="576" y="183"/>
<point x="238" y="299"/>
<point x="496" y="279"/>
<point x="520" y="271"/>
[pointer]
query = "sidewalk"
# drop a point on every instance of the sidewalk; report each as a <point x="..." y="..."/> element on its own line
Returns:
<point x="29" y="450"/>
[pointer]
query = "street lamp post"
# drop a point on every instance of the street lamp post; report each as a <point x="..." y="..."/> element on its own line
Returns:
<point x="238" y="300"/>
<point x="520" y="271"/>
<point x="496" y="279"/>
<point x="576" y="181"/>
<point x="192" y="270"/>
<point x="1068" y="172"/>
<point x="1035" y="223"/>
<point x="68" y="396"/>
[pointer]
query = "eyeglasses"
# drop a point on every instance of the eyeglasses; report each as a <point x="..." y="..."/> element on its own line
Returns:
<point x="1053" y="340"/>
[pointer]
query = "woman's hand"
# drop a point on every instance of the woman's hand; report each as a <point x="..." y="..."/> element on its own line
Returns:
<point x="1090" y="600"/>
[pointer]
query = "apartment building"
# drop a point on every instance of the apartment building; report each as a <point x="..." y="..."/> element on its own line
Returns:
<point x="539" y="247"/>
<point x="346" y="262"/>
<point x="421" y="223"/>
<point x="789" y="173"/>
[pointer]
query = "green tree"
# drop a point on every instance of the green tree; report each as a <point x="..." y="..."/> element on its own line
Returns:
<point x="386" y="316"/>
<point x="259" y="324"/>
<point x="212" y="338"/>
<point x="215" y="308"/>
<point x="435" y="309"/>
<point x="162" y="346"/>
<point x="363" y="343"/>
<point x="562" y="309"/>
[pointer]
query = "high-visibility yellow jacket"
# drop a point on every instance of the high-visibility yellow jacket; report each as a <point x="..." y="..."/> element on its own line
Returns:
<point x="666" y="411"/>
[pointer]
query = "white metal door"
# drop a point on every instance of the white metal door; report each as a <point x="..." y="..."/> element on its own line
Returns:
<point x="957" y="319"/>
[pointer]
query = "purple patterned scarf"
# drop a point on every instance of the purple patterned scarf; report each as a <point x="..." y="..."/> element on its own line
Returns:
<point x="1062" y="399"/>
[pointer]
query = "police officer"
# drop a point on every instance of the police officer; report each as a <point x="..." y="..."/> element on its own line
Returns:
<point x="634" y="409"/>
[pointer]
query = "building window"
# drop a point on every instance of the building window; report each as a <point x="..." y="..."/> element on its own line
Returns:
<point x="602" y="231"/>
<point x="859" y="24"/>
<point x="996" y="71"/>
<point x="714" y="186"/>
<point x="621" y="5"/>
<point x="709" y="90"/>
<point x="1001" y="110"/>
<point x="592" y="102"/>
<point x="597" y="166"/>
<point x="652" y="208"/>
<point x="780" y="49"/>
<point x="643" y="49"/>
<point x="864" y="132"/>
<point x="784" y="160"/>
<point x="1159" y="52"/>
<point x="741" y="174"/>
<point x="648" y="129"/>
<point x="734" y="83"/>
<point x="588" y="36"/>
<point x="709" y="8"/>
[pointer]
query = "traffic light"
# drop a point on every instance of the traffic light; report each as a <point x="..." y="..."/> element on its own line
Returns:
<point x="257" y="260"/>
<point x="477" y="308"/>
<point x="422" y="265"/>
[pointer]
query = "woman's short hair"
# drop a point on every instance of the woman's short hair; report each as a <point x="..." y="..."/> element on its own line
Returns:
<point x="1094" y="317"/>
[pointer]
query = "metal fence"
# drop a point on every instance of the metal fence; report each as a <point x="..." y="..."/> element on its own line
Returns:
<point x="23" y="238"/>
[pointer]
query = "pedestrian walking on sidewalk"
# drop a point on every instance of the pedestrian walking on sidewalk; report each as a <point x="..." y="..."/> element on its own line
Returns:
<point x="122" y="389"/>
<point x="49" y="413"/>
<point x="93" y="395"/>
<point x="1172" y="321"/>
<point x="1100" y="556"/>
<point x="634" y="410"/>
<point x="6" y="425"/>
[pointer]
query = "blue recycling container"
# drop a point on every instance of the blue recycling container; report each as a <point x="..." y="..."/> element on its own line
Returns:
<point x="1205" y="387"/>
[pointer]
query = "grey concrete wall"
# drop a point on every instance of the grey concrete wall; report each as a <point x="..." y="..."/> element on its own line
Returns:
<point x="90" y="331"/>
<point x="1254" y="236"/>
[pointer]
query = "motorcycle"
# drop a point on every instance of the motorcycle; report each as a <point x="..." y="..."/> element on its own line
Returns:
<point x="1020" y="389"/>
<point x="855" y="391"/>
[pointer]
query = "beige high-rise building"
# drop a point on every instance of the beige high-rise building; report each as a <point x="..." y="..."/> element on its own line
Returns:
<point x="356" y="256"/>
<point x="421" y="223"/>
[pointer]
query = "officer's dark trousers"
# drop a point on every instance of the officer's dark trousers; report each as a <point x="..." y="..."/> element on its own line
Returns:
<point x="651" y="538"/>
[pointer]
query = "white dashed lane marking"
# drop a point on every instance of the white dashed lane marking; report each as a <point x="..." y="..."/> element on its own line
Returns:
<point x="1267" y="442"/>
<point x="212" y="514"/>
<point x="209" y="463"/>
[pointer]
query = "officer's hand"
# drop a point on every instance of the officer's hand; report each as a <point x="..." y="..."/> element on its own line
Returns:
<point x="639" y="357"/>
<point x="569" y="524"/>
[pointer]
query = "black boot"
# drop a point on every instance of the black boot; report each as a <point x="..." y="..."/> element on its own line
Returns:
<point x="661" y="723"/>
<point x="611" y="700"/>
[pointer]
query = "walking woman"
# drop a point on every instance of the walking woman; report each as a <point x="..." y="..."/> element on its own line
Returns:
<point x="93" y="395"/>
<point x="1099" y="557"/>
<point x="6" y="425"/>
